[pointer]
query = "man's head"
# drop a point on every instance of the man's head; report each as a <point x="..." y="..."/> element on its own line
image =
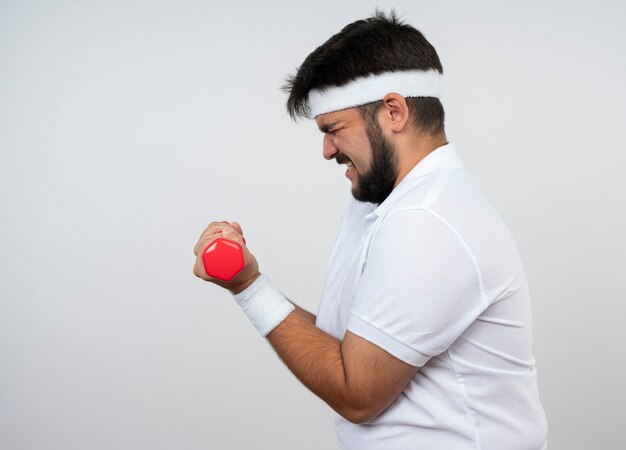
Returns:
<point x="354" y="137"/>
<point x="355" y="71"/>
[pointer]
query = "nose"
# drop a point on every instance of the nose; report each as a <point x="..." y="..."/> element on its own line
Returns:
<point x="329" y="149"/>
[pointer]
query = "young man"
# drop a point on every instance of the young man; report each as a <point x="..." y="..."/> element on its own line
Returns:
<point x="423" y="336"/>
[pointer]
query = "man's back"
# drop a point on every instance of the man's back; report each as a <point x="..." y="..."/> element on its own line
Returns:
<point x="433" y="276"/>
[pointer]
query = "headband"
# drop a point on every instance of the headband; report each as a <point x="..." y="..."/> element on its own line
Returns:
<point x="374" y="87"/>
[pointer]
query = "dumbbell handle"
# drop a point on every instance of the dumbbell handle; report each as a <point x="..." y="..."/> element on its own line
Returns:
<point x="223" y="259"/>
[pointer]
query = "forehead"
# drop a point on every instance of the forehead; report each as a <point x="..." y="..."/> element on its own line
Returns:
<point x="350" y="115"/>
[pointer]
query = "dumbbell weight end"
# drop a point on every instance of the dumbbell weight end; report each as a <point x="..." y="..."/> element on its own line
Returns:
<point x="223" y="259"/>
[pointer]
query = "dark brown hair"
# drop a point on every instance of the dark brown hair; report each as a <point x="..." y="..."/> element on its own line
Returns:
<point x="381" y="43"/>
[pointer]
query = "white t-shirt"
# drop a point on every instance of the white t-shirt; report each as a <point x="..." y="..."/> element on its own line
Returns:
<point x="432" y="276"/>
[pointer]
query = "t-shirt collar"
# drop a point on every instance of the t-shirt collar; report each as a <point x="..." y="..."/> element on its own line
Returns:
<point x="442" y="158"/>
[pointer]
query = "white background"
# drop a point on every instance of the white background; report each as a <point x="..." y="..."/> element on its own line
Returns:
<point x="127" y="125"/>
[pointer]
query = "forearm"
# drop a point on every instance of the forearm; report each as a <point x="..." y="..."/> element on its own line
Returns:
<point x="315" y="358"/>
<point x="304" y="313"/>
<point x="349" y="375"/>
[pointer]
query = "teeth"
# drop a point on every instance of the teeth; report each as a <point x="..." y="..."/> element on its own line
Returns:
<point x="349" y="164"/>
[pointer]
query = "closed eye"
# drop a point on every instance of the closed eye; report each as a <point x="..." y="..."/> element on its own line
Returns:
<point x="326" y="128"/>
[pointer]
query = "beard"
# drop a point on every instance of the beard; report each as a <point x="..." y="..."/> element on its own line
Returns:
<point x="375" y="185"/>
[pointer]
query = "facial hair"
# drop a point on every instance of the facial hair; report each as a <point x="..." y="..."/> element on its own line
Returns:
<point x="375" y="185"/>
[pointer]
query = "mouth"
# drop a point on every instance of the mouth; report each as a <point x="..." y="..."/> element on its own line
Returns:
<point x="349" y="169"/>
<point x="343" y="159"/>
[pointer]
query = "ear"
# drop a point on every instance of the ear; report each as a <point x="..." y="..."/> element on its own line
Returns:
<point x="396" y="112"/>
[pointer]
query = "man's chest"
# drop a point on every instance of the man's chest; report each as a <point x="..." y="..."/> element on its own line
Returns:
<point x="345" y="269"/>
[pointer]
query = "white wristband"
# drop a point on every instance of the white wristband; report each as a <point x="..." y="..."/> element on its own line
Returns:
<point x="264" y="305"/>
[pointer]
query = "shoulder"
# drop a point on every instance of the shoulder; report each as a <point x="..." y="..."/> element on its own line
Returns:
<point x="417" y="227"/>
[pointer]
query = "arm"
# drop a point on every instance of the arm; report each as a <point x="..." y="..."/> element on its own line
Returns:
<point x="304" y="313"/>
<point x="354" y="377"/>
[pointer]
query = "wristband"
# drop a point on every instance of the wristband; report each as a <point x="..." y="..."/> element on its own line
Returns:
<point x="264" y="305"/>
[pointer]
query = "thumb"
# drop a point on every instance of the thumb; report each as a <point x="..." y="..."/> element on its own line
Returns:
<point x="237" y="227"/>
<point x="232" y="235"/>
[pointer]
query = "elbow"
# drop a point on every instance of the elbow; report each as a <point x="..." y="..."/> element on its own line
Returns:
<point x="361" y="409"/>
<point x="358" y="416"/>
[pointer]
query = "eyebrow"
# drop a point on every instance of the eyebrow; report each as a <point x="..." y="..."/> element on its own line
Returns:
<point x="327" y="126"/>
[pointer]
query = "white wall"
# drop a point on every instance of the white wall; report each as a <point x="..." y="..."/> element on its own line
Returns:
<point x="127" y="125"/>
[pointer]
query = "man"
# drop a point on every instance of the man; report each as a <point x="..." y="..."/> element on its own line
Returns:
<point x="423" y="334"/>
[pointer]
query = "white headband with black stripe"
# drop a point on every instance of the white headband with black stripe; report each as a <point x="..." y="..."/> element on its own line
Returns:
<point x="410" y="83"/>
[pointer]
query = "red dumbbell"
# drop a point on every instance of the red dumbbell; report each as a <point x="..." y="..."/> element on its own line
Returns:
<point x="223" y="259"/>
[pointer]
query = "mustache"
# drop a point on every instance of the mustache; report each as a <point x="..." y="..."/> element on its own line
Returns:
<point x="341" y="158"/>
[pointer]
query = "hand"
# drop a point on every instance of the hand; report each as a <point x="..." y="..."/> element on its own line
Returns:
<point x="231" y="231"/>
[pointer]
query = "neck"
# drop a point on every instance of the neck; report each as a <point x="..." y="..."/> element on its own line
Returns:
<point x="411" y="152"/>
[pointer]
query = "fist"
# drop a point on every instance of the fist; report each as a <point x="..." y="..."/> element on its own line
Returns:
<point x="232" y="232"/>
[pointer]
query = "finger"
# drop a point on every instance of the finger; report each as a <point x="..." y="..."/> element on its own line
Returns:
<point x="221" y="229"/>
<point x="218" y="229"/>
<point x="196" y="247"/>
<point x="233" y="235"/>
<point x="205" y="240"/>
<point x="212" y="228"/>
<point x="237" y="227"/>
<point x="215" y="226"/>
<point x="223" y="224"/>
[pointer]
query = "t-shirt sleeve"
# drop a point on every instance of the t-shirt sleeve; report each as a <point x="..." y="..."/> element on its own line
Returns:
<point x="420" y="288"/>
